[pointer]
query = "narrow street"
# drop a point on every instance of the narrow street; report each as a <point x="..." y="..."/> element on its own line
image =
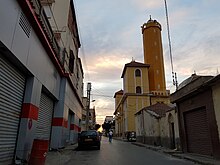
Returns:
<point x="122" y="153"/>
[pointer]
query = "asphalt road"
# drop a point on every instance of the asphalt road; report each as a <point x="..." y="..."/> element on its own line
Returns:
<point x="122" y="153"/>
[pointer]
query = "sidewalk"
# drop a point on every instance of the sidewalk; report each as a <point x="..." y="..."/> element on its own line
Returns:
<point x="60" y="156"/>
<point x="199" y="159"/>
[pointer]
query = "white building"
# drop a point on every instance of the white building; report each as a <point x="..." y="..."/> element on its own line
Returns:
<point x="41" y="81"/>
<point x="158" y="125"/>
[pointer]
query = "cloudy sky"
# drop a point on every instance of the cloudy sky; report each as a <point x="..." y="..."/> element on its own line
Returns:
<point x="110" y="34"/>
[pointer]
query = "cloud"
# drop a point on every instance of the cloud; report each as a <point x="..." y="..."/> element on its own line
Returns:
<point x="106" y="67"/>
<point x="103" y="107"/>
<point x="111" y="36"/>
<point x="149" y="4"/>
<point x="200" y="55"/>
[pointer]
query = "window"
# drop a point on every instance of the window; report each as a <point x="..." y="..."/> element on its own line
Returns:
<point x="71" y="61"/>
<point x="138" y="89"/>
<point x="137" y="73"/>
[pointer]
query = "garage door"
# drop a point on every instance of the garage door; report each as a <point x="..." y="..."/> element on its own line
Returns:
<point x="44" y="118"/>
<point x="12" y="85"/>
<point x="197" y="132"/>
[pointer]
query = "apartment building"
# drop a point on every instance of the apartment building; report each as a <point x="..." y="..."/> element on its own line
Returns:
<point x="41" y="81"/>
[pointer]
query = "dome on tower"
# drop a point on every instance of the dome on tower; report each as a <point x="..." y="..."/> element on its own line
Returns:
<point x="151" y="23"/>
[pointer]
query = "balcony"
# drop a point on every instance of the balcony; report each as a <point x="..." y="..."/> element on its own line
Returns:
<point x="60" y="53"/>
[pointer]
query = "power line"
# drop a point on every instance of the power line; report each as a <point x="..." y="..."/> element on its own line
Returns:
<point x="102" y="95"/>
<point x="170" y="49"/>
<point x="168" y="33"/>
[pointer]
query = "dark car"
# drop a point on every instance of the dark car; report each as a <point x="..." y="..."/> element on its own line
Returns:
<point x="89" y="139"/>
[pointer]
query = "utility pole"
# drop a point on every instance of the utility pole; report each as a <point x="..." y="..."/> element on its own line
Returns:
<point x="88" y="105"/>
<point x="174" y="76"/>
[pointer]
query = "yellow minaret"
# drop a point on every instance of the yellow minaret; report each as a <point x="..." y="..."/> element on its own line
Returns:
<point x="153" y="55"/>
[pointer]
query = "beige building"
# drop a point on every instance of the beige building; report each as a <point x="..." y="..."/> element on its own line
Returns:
<point x="135" y="95"/>
<point x="92" y="118"/>
<point x="119" y="119"/>
<point x="83" y="121"/>
<point x="143" y="83"/>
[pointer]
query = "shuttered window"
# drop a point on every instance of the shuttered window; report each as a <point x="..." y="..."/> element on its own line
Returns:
<point x="44" y="118"/>
<point x="197" y="132"/>
<point x="12" y="85"/>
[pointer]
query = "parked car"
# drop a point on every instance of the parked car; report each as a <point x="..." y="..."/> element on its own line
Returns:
<point x="131" y="136"/>
<point x="89" y="138"/>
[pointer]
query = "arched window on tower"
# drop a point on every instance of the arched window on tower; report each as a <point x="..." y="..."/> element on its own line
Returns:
<point x="137" y="73"/>
<point x="138" y="89"/>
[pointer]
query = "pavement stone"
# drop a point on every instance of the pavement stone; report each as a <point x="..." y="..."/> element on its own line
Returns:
<point x="61" y="156"/>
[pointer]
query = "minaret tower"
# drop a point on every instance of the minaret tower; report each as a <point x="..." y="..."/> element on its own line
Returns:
<point x="153" y="55"/>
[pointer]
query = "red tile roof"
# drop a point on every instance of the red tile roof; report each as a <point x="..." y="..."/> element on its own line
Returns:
<point x="120" y="92"/>
<point x="158" y="108"/>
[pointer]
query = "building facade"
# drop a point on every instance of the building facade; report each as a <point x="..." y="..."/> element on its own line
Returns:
<point x="135" y="95"/>
<point x="153" y="55"/>
<point x="92" y="118"/>
<point x="41" y="78"/>
<point x="197" y="101"/>
<point x="84" y="113"/>
<point x="158" y="125"/>
<point x="119" y="115"/>
<point x="143" y="83"/>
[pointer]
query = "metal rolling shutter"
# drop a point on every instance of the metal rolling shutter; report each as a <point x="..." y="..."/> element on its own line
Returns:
<point x="197" y="132"/>
<point x="44" y="118"/>
<point x="12" y="85"/>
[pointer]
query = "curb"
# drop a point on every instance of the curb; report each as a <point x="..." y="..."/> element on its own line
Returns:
<point x="180" y="155"/>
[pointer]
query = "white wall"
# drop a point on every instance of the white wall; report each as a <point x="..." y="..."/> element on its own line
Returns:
<point x="138" y="125"/>
<point x="71" y="101"/>
<point x="151" y="125"/>
<point x="29" y="51"/>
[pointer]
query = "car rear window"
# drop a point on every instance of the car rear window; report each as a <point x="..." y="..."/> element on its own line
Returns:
<point x="88" y="133"/>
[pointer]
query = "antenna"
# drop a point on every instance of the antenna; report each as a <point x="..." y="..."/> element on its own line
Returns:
<point x="174" y="76"/>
